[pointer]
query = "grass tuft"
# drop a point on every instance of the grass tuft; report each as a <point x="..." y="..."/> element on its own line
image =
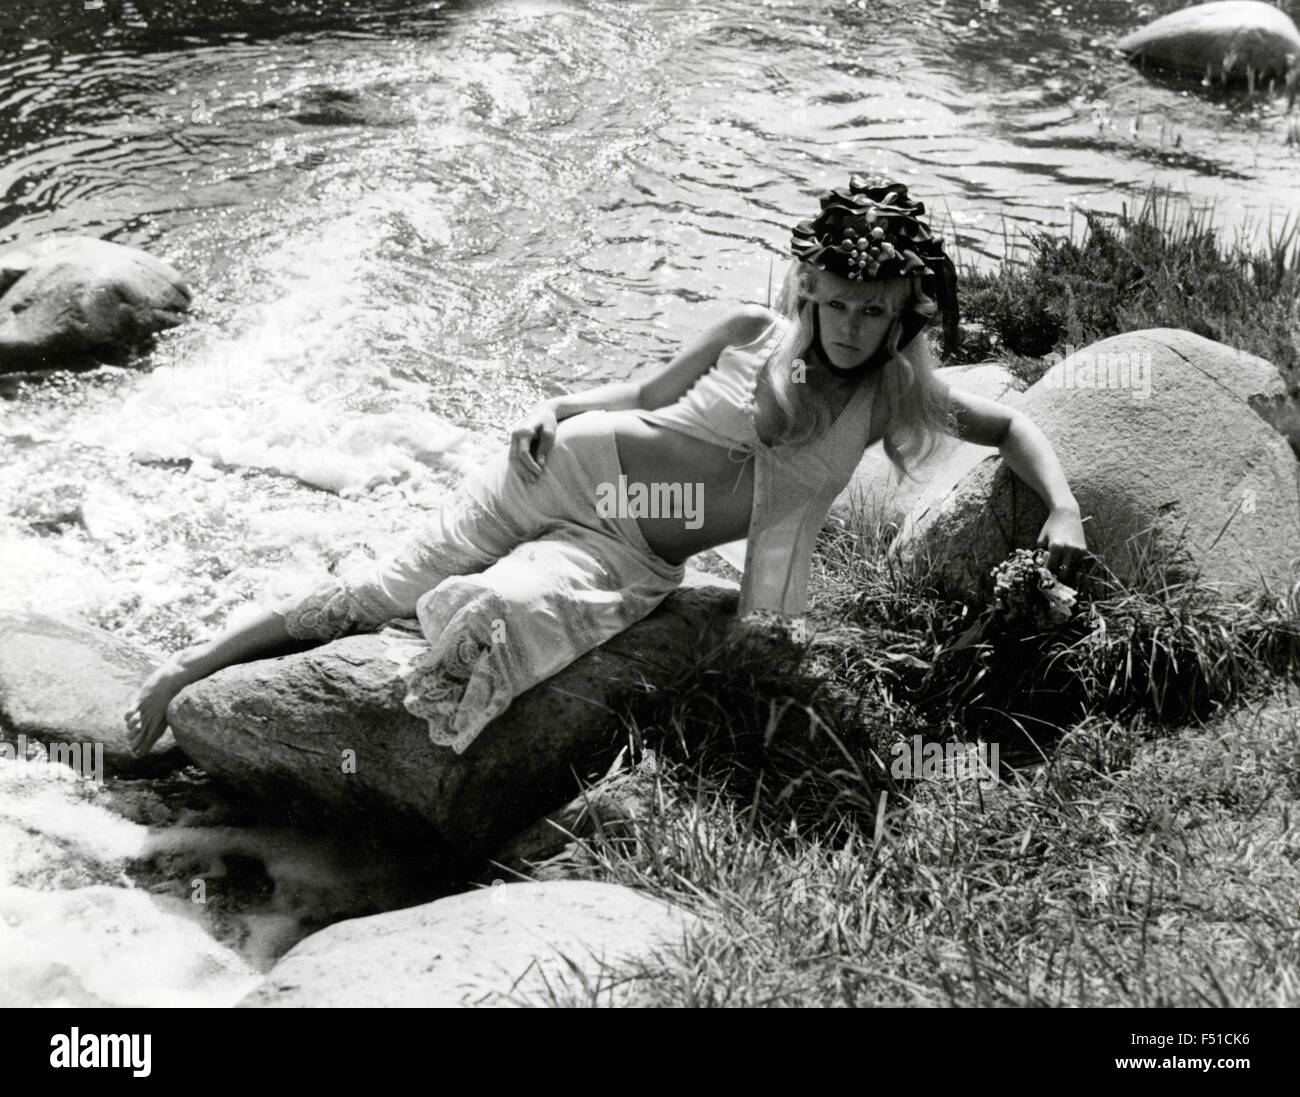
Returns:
<point x="1125" y="872"/>
<point x="1165" y="266"/>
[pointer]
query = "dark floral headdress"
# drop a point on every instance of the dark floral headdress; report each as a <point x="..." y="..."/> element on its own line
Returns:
<point x="872" y="230"/>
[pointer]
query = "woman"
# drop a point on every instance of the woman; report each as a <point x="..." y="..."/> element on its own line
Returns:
<point x="581" y="527"/>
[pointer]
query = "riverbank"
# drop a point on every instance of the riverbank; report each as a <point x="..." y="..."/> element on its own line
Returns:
<point x="1163" y="264"/>
<point x="1137" y="845"/>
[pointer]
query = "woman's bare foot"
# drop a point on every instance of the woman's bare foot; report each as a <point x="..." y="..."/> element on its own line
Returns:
<point x="146" y="720"/>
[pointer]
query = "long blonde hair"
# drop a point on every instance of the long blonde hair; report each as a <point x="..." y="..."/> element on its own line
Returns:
<point x="917" y="411"/>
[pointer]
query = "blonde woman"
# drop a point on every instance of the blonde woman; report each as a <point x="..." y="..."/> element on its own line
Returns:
<point x="582" y="525"/>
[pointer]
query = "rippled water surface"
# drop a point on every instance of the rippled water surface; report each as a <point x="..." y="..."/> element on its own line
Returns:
<point x="406" y="222"/>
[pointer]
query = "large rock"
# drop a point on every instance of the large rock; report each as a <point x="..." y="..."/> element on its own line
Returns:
<point x="1162" y="448"/>
<point x="1233" y="38"/>
<point x="497" y="946"/>
<point x="881" y="497"/>
<point x="68" y="683"/>
<point x="68" y="300"/>
<point x="326" y="728"/>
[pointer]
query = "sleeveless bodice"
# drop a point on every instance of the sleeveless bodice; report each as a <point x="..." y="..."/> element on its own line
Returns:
<point x="794" y="483"/>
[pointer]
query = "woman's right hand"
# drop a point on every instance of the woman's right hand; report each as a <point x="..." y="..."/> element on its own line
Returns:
<point x="531" y="440"/>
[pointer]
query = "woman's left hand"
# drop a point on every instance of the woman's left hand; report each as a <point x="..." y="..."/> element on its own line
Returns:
<point x="1062" y="536"/>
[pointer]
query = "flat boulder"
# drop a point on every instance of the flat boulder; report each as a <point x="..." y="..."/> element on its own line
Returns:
<point x="514" y="944"/>
<point x="1171" y="464"/>
<point x="326" y="729"/>
<point x="70" y="684"/>
<point x="68" y="301"/>
<point x="1232" y="38"/>
<point x="883" y="498"/>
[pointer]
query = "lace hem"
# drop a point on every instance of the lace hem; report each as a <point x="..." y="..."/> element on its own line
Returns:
<point x="456" y="692"/>
<point x="325" y="612"/>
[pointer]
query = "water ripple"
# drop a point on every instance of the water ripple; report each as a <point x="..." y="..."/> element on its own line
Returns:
<point x="408" y="220"/>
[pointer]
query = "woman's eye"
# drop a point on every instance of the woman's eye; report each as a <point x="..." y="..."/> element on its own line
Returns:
<point x="838" y="305"/>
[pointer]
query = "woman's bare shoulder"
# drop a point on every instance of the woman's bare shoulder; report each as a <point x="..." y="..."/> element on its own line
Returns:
<point x="976" y="418"/>
<point x="749" y="323"/>
<point x="742" y="326"/>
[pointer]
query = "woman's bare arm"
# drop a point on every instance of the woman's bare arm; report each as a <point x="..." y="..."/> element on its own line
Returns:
<point x="667" y="383"/>
<point x="533" y="436"/>
<point x="1023" y="446"/>
<point x="618" y="396"/>
<point x="664" y="384"/>
<point x="1028" y="453"/>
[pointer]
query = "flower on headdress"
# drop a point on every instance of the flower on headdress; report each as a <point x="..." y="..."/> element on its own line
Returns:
<point x="873" y="229"/>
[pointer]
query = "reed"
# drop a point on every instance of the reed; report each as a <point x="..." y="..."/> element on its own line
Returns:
<point x="1167" y="265"/>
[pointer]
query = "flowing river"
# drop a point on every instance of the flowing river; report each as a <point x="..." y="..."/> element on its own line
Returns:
<point x="406" y="221"/>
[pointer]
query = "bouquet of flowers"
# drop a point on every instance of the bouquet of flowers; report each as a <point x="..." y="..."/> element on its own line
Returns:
<point x="1025" y="591"/>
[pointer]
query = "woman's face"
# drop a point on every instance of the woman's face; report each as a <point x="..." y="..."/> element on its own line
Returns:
<point x="855" y="318"/>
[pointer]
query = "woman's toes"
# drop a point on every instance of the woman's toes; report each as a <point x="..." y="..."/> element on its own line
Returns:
<point x="142" y="743"/>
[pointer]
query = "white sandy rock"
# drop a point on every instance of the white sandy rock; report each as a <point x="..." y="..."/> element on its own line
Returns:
<point x="497" y="946"/>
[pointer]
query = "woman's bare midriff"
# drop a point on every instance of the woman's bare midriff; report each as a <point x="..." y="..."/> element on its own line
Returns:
<point x="722" y="479"/>
<point x="722" y="482"/>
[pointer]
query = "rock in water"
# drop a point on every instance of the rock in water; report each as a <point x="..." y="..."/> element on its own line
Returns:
<point x="1232" y="38"/>
<point x="876" y="490"/>
<point x="71" y="684"/>
<point x="327" y="106"/>
<point x="326" y="729"/>
<point x="1162" y="447"/>
<point x="71" y="299"/>
<point x="496" y="946"/>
